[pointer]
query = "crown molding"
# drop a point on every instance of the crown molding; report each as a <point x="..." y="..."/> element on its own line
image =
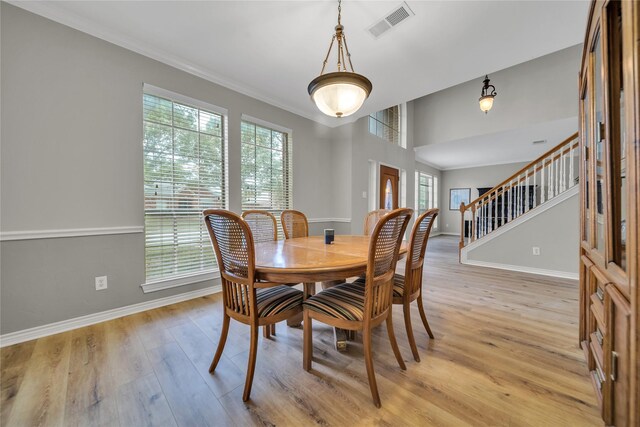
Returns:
<point x="49" y="10"/>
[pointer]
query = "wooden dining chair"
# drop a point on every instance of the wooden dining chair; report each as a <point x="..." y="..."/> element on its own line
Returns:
<point x="263" y="225"/>
<point x="408" y="287"/>
<point x="245" y="299"/>
<point x="354" y="307"/>
<point x="372" y="218"/>
<point x="294" y="224"/>
<point x="264" y="228"/>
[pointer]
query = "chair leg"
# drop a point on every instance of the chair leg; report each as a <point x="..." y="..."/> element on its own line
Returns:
<point x="223" y="339"/>
<point x="394" y="343"/>
<point x="251" y="368"/>
<point x="266" y="331"/>
<point x="407" y="324"/>
<point x="368" y="360"/>
<point x="424" y="317"/>
<point x="307" y="346"/>
<point x="273" y="329"/>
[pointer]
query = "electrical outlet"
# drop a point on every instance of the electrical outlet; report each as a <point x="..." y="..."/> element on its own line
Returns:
<point x="101" y="283"/>
<point x="447" y="226"/>
<point x="364" y="194"/>
<point x="536" y="250"/>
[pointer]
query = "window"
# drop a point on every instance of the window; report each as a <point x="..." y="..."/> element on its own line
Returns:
<point x="266" y="169"/>
<point x="427" y="193"/>
<point x="184" y="173"/>
<point x="386" y="124"/>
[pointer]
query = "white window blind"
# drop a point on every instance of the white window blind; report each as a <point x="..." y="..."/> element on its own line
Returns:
<point x="266" y="169"/>
<point x="184" y="173"/>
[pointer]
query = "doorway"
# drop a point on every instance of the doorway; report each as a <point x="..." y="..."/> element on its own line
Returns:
<point x="389" y="180"/>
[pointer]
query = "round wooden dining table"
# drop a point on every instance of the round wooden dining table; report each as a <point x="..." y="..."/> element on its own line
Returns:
<point x="310" y="260"/>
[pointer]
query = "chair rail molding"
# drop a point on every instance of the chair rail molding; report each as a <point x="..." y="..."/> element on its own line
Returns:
<point x="316" y="220"/>
<point x="68" y="232"/>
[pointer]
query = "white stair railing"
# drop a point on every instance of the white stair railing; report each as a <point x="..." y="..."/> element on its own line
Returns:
<point x="543" y="179"/>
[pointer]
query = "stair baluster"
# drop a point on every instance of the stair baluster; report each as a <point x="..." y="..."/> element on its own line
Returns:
<point x="520" y="193"/>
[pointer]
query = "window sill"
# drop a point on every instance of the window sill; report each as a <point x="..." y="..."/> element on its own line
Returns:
<point x="176" y="281"/>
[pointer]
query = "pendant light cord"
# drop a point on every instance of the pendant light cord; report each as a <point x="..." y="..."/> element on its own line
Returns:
<point x="342" y="38"/>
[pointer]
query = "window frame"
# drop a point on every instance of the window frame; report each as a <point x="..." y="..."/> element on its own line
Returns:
<point x="399" y="139"/>
<point x="165" y="281"/>
<point x="287" y="168"/>
<point x="432" y="199"/>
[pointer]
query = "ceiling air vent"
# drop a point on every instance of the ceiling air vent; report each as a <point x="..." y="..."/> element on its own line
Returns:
<point x="540" y="141"/>
<point x="392" y="19"/>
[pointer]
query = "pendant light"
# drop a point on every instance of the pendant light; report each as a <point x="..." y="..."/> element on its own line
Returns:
<point x="486" y="96"/>
<point x="340" y="93"/>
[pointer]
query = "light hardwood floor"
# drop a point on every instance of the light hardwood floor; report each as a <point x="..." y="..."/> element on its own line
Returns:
<point x="505" y="353"/>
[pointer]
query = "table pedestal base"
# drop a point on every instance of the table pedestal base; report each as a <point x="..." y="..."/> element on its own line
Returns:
<point x="341" y="336"/>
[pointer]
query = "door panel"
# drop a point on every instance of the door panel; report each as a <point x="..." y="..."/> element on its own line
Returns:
<point x="389" y="180"/>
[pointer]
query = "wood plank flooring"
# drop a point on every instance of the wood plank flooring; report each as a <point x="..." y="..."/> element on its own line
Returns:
<point x="505" y="353"/>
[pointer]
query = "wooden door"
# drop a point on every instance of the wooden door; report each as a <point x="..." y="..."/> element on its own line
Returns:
<point x="389" y="180"/>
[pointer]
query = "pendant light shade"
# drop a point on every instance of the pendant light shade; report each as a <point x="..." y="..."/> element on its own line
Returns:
<point x="340" y="93"/>
<point x="486" y="102"/>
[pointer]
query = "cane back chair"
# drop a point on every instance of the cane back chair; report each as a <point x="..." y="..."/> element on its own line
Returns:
<point x="263" y="225"/>
<point x="372" y="218"/>
<point x="264" y="228"/>
<point x="354" y="307"/>
<point x="294" y="224"/>
<point x="245" y="300"/>
<point x="408" y="287"/>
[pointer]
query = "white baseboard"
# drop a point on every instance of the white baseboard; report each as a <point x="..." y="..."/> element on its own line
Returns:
<point x="522" y="269"/>
<point x="91" y="319"/>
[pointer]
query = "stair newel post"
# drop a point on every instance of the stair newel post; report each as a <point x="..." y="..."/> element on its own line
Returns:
<point x="542" y="184"/>
<point x="527" y="192"/>
<point x="535" y="171"/>
<point x="461" y="245"/>
<point x="495" y="209"/>
<point x="472" y="237"/>
<point x="571" y="155"/>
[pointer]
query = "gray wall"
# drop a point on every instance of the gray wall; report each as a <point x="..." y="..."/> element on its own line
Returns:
<point x="71" y="157"/>
<point x="555" y="232"/>
<point x="473" y="178"/>
<point x="366" y="149"/>
<point x="537" y="91"/>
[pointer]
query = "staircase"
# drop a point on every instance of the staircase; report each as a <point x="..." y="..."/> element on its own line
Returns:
<point x="546" y="181"/>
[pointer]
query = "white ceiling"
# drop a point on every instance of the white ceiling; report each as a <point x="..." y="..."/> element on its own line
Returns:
<point x="510" y="146"/>
<point x="271" y="50"/>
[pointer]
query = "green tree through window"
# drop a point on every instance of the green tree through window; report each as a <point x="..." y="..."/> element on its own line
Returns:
<point x="184" y="173"/>
<point x="266" y="169"/>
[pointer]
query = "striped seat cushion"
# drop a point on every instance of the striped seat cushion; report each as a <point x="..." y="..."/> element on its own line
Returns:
<point x="275" y="300"/>
<point x="398" y="284"/>
<point x="345" y="301"/>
